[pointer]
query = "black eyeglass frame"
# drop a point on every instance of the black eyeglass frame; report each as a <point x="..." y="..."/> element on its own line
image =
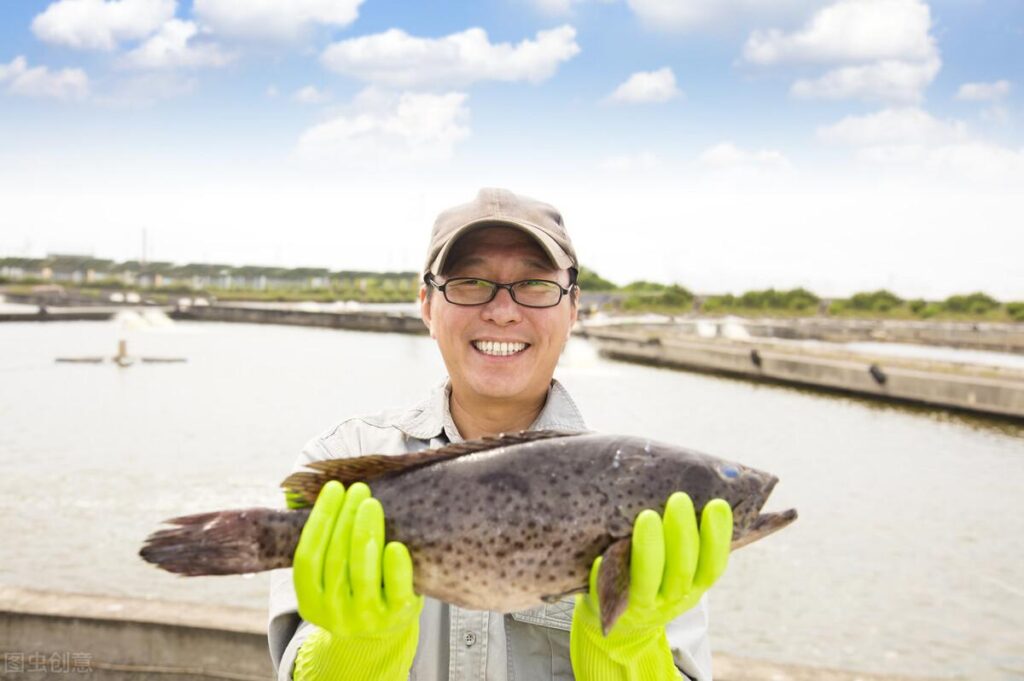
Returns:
<point x="428" y="279"/>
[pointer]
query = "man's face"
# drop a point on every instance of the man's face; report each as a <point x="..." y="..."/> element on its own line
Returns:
<point x="505" y="255"/>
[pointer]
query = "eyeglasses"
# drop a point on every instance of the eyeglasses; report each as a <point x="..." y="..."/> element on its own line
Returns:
<point x="527" y="292"/>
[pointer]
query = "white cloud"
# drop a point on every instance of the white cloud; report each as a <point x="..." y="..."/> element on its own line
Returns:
<point x="274" y="19"/>
<point x="310" y="95"/>
<point x="398" y="59"/>
<point x="995" y="115"/>
<point x="984" y="92"/>
<point x="927" y="148"/>
<point x="904" y="126"/>
<point x="728" y="155"/>
<point x="889" y="80"/>
<point x="628" y="163"/>
<point x="39" y="81"/>
<point x="173" y="47"/>
<point x="100" y="24"/>
<point x="981" y="161"/>
<point x="387" y="131"/>
<point x="684" y="15"/>
<point x="146" y="88"/>
<point x="272" y="91"/>
<point x="557" y="7"/>
<point x="850" y="30"/>
<point x="883" y="50"/>
<point x="561" y="7"/>
<point x="647" y="86"/>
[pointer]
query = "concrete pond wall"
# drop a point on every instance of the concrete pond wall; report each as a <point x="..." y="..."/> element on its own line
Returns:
<point x="53" y="635"/>
<point x="982" y="390"/>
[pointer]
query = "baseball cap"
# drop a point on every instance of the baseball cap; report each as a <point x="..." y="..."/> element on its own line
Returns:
<point x="494" y="206"/>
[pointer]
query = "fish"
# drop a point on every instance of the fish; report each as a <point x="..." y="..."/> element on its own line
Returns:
<point x="502" y="523"/>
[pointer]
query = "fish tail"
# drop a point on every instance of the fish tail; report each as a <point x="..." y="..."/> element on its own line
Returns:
<point x="226" y="542"/>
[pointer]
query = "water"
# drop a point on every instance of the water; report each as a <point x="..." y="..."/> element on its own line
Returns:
<point x="907" y="556"/>
<point x="939" y="353"/>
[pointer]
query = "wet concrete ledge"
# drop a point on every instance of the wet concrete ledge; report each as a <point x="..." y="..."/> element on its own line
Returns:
<point x="120" y="638"/>
<point x="73" y="314"/>
<point x="976" y="389"/>
<point x="989" y="336"/>
<point x="393" y="322"/>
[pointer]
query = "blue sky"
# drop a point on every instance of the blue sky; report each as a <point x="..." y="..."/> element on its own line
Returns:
<point x="724" y="144"/>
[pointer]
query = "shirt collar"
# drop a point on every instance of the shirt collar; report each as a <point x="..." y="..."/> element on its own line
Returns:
<point x="432" y="418"/>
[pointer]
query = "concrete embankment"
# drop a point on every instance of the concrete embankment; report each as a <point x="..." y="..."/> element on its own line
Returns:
<point x="62" y="636"/>
<point x="394" y="322"/>
<point x="993" y="337"/>
<point x="101" y="638"/>
<point x="69" y="314"/>
<point x="985" y="390"/>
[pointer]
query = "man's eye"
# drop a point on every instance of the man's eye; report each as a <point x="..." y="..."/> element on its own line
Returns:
<point x="470" y="283"/>
<point x="536" y="283"/>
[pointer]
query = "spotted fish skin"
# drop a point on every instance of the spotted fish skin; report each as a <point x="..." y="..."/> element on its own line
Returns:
<point x="509" y="527"/>
<point x="506" y="527"/>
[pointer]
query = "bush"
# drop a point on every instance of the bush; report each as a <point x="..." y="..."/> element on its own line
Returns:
<point x="670" y="298"/>
<point x="716" y="303"/>
<point x="1016" y="311"/>
<point x="644" y="287"/>
<point x="677" y="296"/>
<point x="974" y="303"/>
<point x="874" y="301"/>
<point x="770" y="299"/>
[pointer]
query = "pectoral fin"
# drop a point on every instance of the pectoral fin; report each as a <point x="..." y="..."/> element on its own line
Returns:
<point x="613" y="583"/>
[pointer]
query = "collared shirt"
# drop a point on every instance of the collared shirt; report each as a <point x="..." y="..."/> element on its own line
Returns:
<point x="456" y="644"/>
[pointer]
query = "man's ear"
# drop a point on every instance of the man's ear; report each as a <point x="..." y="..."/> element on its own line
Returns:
<point x="574" y="308"/>
<point x="425" y="309"/>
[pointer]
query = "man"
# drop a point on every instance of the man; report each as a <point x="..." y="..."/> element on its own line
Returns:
<point x="500" y="298"/>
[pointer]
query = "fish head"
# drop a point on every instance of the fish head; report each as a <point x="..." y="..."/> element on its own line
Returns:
<point x="747" y="490"/>
<point x="744" y="488"/>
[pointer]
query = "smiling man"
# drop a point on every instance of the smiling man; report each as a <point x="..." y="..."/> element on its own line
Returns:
<point x="500" y="298"/>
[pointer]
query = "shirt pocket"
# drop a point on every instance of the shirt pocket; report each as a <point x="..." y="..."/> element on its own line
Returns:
<point x="555" y="615"/>
<point x="538" y="643"/>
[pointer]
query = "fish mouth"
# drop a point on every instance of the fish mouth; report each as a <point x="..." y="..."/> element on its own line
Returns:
<point x="763" y="525"/>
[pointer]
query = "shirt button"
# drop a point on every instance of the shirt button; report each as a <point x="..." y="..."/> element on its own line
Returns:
<point x="470" y="639"/>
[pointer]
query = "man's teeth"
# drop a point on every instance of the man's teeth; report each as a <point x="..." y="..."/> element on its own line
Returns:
<point x="500" y="349"/>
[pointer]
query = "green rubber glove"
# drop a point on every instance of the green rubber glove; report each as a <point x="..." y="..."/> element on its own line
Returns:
<point x="671" y="566"/>
<point x="356" y="590"/>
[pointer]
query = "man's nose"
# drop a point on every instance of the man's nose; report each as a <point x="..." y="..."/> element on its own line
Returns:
<point x="502" y="310"/>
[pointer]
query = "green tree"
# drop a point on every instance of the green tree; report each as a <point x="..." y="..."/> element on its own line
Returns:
<point x="589" y="280"/>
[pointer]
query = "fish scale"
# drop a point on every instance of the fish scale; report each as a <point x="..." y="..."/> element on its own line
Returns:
<point x="499" y="524"/>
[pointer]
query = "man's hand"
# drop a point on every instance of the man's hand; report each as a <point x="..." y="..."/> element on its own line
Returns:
<point x="672" y="564"/>
<point x="356" y="589"/>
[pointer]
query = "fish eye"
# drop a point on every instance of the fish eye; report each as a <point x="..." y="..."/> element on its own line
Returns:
<point x="729" y="471"/>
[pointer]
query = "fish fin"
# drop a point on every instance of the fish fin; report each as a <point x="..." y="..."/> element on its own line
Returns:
<point x="554" y="598"/>
<point x="375" y="466"/>
<point x="224" y="542"/>
<point x="613" y="583"/>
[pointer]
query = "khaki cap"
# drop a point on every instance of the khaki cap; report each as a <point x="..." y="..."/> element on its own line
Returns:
<point x="501" y="207"/>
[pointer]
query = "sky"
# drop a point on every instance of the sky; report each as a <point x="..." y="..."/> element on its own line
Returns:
<point x="725" y="145"/>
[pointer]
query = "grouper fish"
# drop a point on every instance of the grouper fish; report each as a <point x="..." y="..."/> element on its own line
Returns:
<point x="502" y="523"/>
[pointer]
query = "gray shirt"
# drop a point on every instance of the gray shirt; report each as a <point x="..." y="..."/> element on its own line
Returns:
<point x="457" y="644"/>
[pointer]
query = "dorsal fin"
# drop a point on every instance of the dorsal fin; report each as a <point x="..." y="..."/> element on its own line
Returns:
<point x="375" y="466"/>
